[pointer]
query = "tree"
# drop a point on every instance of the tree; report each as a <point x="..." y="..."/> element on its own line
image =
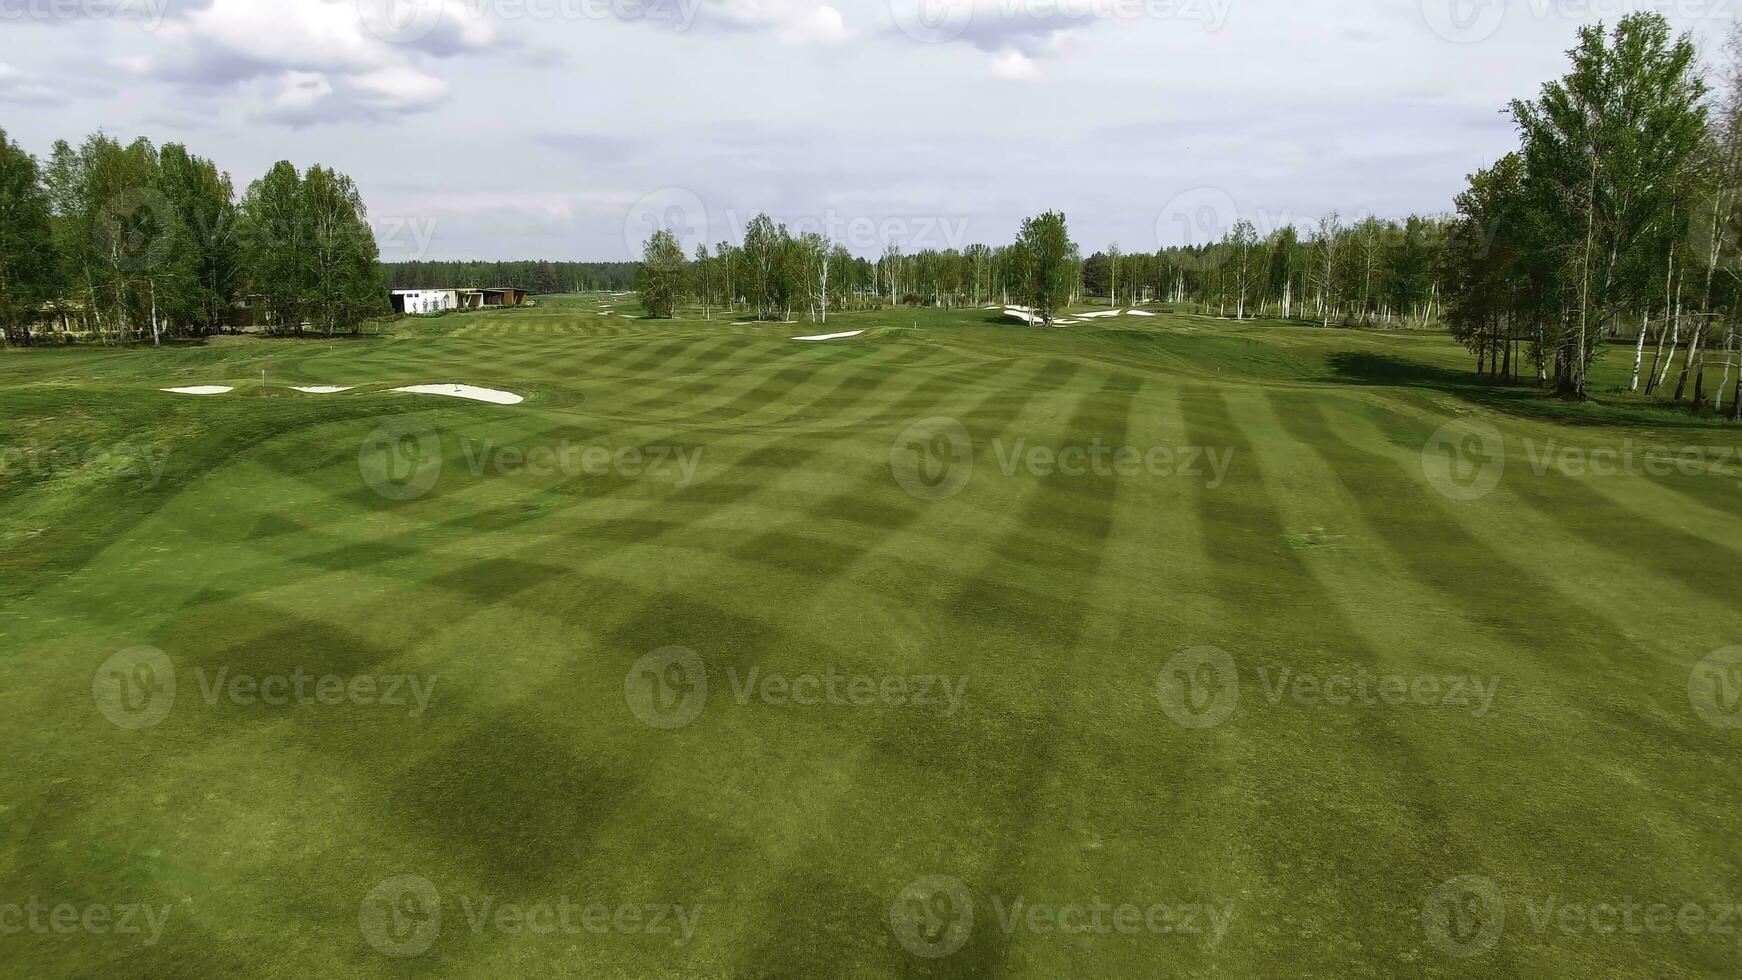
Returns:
<point x="1607" y="150"/>
<point x="661" y="280"/>
<point x="703" y="279"/>
<point x="1113" y="255"/>
<point x="1326" y="240"/>
<point x="29" y="274"/>
<point x="342" y="256"/>
<point x="203" y="201"/>
<point x="1047" y="263"/>
<point x="1483" y="259"/>
<point x="275" y="247"/>
<point x="1242" y="238"/>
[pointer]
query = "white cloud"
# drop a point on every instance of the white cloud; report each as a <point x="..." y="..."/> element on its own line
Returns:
<point x="1014" y="65"/>
<point x="318" y="60"/>
<point x="22" y="88"/>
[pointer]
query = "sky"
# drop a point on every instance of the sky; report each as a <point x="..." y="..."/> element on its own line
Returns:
<point x="569" y="129"/>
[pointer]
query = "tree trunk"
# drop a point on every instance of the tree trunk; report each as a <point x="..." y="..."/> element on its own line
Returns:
<point x="1675" y="337"/>
<point x="1681" y="384"/>
<point x="1639" y="352"/>
<point x="1729" y="345"/>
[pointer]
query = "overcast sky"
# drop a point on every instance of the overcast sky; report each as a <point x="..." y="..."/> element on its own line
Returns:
<point x="565" y="128"/>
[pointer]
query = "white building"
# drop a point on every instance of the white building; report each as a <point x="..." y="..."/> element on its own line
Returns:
<point x="414" y="302"/>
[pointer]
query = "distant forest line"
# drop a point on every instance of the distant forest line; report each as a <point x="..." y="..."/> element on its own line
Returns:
<point x="533" y="275"/>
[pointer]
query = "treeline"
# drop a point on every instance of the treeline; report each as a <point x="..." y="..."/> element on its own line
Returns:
<point x="774" y="273"/>
<point x="1372" y="273"/>
<point x="1614" y="226"/>
<point x="534" y="276"/>
<point x="122" y="242"/>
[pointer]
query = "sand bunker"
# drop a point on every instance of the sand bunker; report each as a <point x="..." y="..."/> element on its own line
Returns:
<point x="1094" y="316"/>
<point x="490" y="395"/>
<point x="1139" y="313"/>
<point x="832" y="336"/>
<point x="324" y="389"/>
<point x="200" y="390"/>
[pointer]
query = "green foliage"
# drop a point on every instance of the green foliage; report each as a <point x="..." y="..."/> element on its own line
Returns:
<point x="1046" y="264"/>
<point x="149" y="242"/>
<point x="537" y="276"/>
<point x="29" y="271"/>
<point x="663" y="272"/>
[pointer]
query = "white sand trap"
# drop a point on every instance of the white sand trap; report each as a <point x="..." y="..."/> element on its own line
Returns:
<point x="200" y="390"/>
<point x="1066" y="323"/>
<point x="1139" y="313"/>
<point x="1023" y="315"/>
<point x="323" y="389"/>
<point x="832" y="336"/>
<point x="490" y="395"/>
<point x="1096" y="316"/>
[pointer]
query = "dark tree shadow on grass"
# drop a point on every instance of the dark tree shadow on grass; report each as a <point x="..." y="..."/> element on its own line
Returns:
<point x="1518" y="396"/>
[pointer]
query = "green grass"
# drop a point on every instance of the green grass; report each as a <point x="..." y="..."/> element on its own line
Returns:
<point x="259" y="549"/>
